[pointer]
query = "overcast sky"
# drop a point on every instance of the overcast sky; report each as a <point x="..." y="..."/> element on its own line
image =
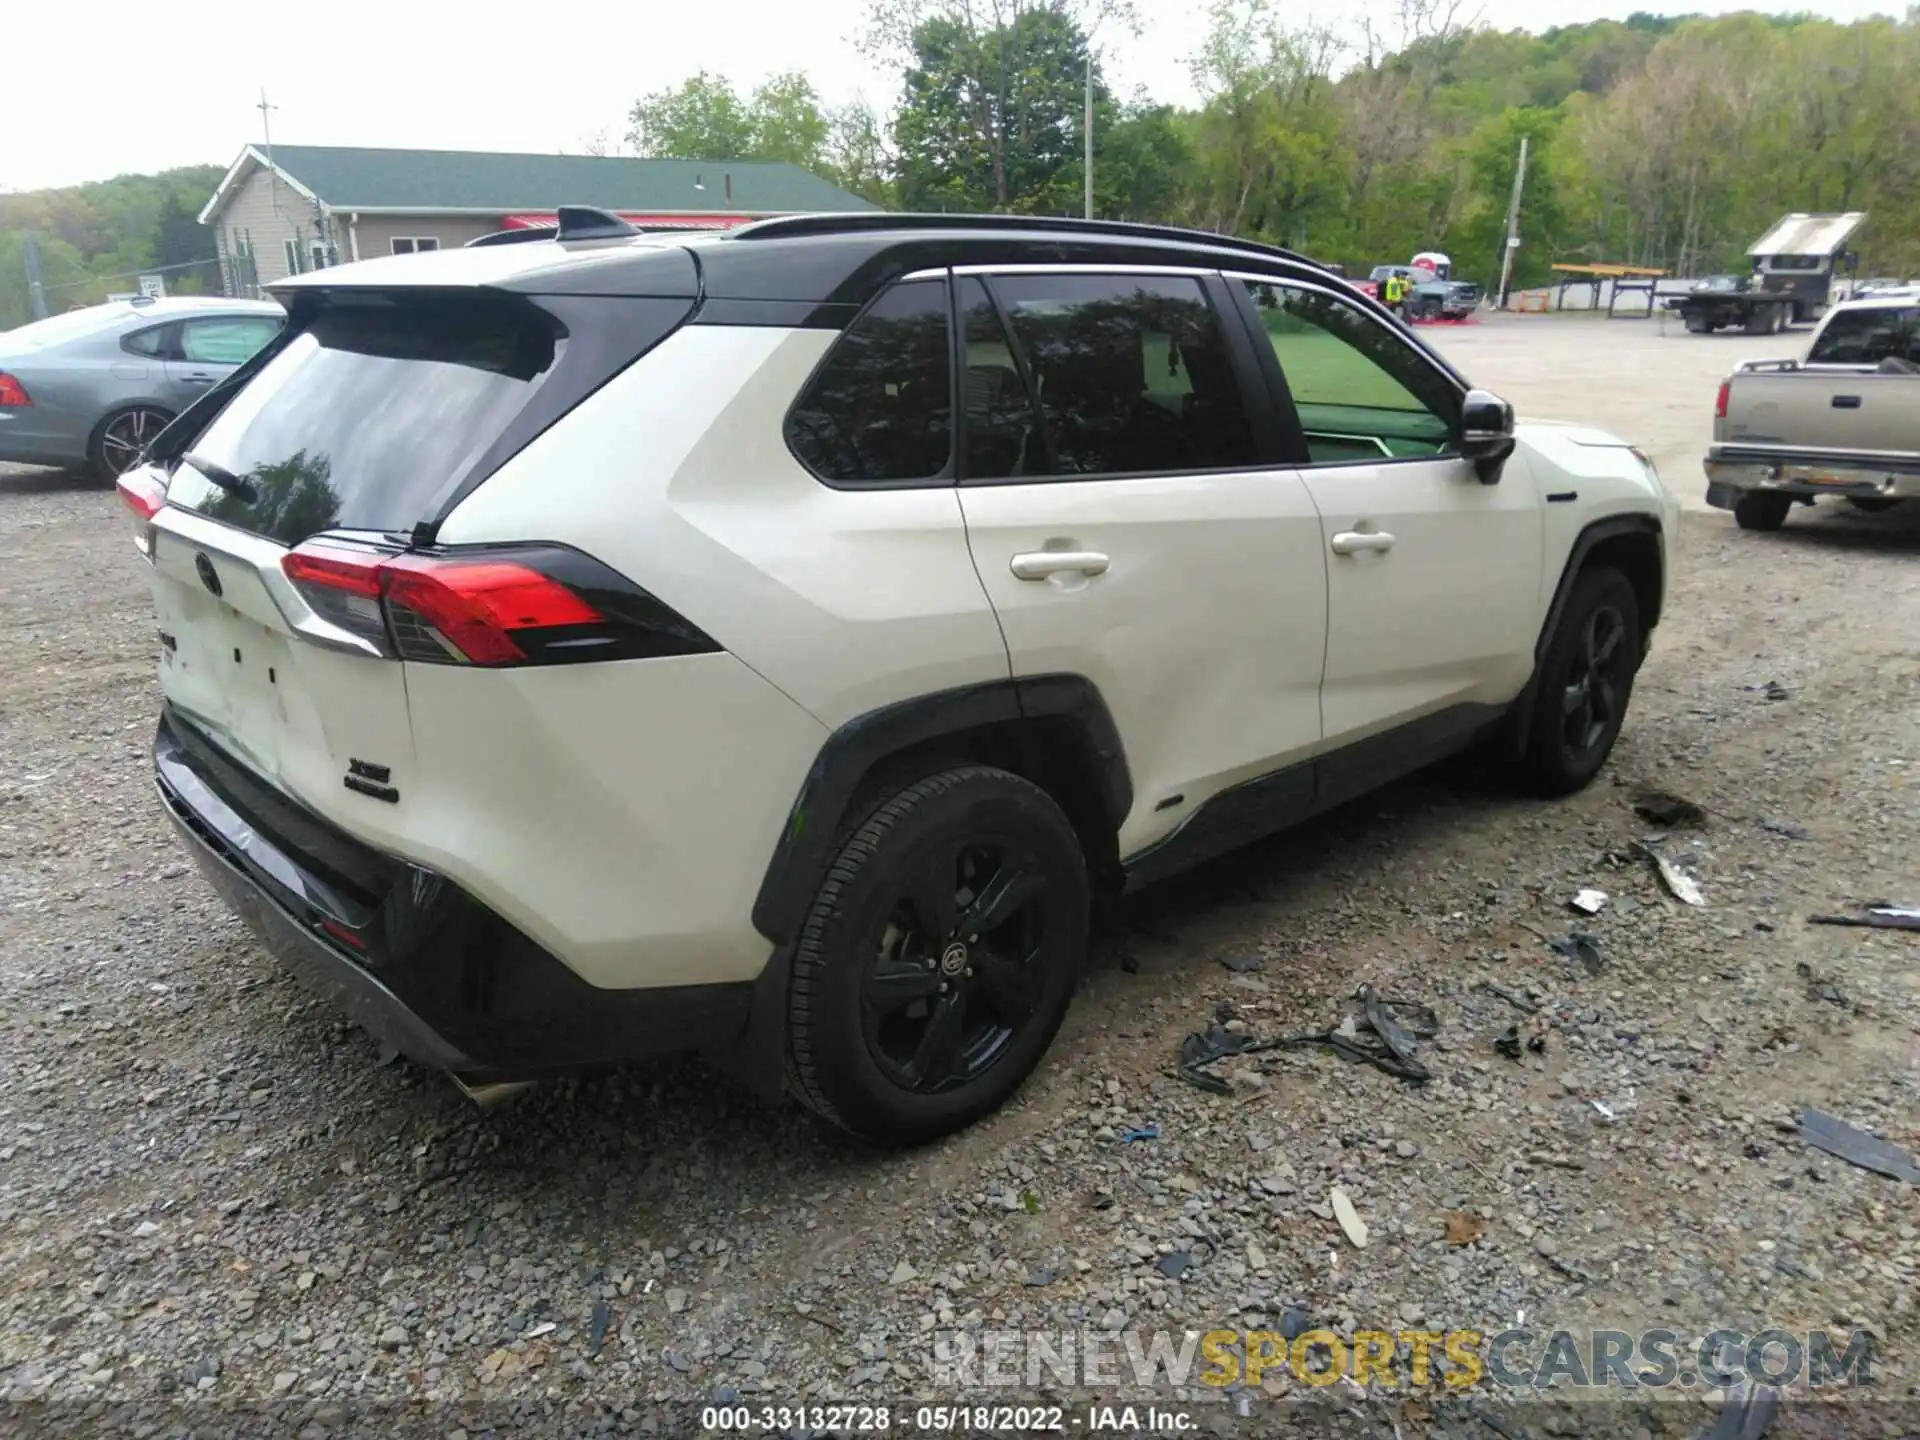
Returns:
<point x="102" y="87"/>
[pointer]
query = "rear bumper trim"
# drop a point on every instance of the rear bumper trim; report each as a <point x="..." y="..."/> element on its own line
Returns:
<point x="316" y="964"/>
<point x="407" y="953"/>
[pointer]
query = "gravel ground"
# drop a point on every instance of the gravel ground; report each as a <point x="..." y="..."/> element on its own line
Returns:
<point x="213" y="1193"/>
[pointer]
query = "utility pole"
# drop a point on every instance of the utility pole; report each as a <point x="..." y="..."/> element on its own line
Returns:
<point x="1513" y="224"/>
<point x="36" y="283"/>
<point x="266" y="122"/>
<point x="1087" y="129"/>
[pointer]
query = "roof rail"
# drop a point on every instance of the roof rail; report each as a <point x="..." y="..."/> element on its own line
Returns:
<point x="832" y="223"/>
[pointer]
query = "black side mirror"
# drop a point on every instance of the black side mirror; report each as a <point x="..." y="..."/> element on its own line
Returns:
<point x="1486" y="433"/>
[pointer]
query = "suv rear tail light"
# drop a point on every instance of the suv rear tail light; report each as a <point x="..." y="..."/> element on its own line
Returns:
<point x="13" y="394"/>
<point x="1720" y="400"/>
<point x="142" y="493"/>
<point x="518" y="605"/>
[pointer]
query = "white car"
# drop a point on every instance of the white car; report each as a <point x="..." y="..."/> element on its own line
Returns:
<point x="771" y="644"/>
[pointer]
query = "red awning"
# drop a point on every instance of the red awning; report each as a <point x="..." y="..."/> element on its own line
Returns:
<point x="653" y="222"/>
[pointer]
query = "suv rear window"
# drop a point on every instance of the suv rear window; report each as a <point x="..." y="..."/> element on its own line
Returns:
<point x="371" y="410"/>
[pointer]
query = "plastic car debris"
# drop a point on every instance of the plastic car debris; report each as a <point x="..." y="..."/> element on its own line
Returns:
<point x="1746" y="1415"/>
<point x="1773" y="690"/>
<point x="1683" y="886"/>
<point x="1785" y="828"/>
<point x="1394" y="1052"/>
<point x="1589" y="901"/>
<point x="1142" y="1132"/>
<point x="1531" y="1038"/>
<point x="1857" y="1147"/>
<point x="1348" y="1217"/>
<point x="1664" y="808"/>
<point x="1583" y="948"/>
<point x="1175" y="1264"/>
<point x="1875" y="917"/>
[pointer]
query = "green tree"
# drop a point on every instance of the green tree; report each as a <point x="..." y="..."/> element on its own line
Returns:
<point x="178" y="237"/>
<point x="991" y="115"/>
<point x="701" y="118"/>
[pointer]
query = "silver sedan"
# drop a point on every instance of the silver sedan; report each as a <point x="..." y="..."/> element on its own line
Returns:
<point x="93" y="387"/>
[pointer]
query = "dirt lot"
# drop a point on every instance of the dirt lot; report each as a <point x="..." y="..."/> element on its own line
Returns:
<point x="213" y="1193"/>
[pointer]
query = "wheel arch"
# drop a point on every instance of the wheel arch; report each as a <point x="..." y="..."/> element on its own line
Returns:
<point x="1054" y="730"/>
<point x="1635" y="545"/>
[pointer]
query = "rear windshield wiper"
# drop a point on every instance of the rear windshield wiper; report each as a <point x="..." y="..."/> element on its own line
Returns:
<point x="236" y="485"/>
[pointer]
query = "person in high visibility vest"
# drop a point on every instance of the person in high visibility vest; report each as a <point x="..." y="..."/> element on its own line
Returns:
<point x="1394" y="292"/>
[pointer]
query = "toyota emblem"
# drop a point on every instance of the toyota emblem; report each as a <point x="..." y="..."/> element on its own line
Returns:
<point x="953" y="959"/>
<point x="209" y="577"/>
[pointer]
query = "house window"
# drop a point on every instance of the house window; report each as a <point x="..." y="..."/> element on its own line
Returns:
<point x="414" y="244"/>
<point x="293" y="256"/>
<point x="317" y="252"/>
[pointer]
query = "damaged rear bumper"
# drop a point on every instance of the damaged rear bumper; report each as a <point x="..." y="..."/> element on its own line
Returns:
<point x="406" y="953"/>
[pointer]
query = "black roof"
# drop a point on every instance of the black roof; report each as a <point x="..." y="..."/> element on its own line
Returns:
<point x="844" y="260"/>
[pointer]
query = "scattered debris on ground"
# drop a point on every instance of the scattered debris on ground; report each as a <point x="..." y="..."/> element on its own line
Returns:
<point x="1589" y="901"/>
<point x="1529" y="1038"/>
<point x="1349" y="1218"/>
<point x="1584" y="948"/>
<point x="1394" y="1052"/>
<point x="1875" y="917"/>
<point x="1857" y="1147"/>
<point x="1682" y="886"/>
<point x="1772" y="689"/>
<point x="1667" y="810"/>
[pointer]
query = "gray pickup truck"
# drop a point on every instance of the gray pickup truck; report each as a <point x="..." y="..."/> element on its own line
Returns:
<point x="1845" y="421"/>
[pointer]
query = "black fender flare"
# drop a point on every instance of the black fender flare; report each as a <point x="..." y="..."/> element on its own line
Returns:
<point x="852" y="752"/>
<point x="1520" y="717"/>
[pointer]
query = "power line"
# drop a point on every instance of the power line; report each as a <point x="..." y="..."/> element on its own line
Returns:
<point x="136" y="274"/>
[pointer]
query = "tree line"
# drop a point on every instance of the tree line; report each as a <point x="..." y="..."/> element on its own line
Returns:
<point x="1665" y="141"/>
<point x="95" y="238"/>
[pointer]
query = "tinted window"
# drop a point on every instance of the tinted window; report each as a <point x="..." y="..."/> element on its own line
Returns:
<point x="1132" y="372"/>
<point x="1004" y="439"/>
<point x="156" y="343"/>
<point x="1361" y="391"/>
<point x="879" y="410"/>
<point x="1868" y="336"/>
<point x="371" y="410"/>
<point x="229" y="340"/>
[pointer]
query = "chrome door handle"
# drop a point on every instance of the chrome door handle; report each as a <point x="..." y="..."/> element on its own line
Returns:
<point x="1039" y="564"/>
<point x="1352" y="542"/>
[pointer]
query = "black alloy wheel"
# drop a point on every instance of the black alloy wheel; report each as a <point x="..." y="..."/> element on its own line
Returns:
<point x="1591" y="700"/>
<point x="1584" y="684"/>
<point x="938" y="957"/>
<point x="958" y="969"/>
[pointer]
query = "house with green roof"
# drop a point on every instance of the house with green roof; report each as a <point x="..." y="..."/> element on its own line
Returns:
<point x="292" y="208"/>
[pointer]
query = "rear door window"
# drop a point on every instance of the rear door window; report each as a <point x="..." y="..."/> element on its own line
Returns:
<point x="227" y="339"/>
<point x="1868" y="335"/>
<point x="367" y="414"/>
<point x="1133" y="374"/>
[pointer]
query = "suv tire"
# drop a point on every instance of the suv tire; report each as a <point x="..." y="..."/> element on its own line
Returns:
<point x="937" y="960"/>
<point x="1586" y="680"/>
<point x="1761" y="510"/>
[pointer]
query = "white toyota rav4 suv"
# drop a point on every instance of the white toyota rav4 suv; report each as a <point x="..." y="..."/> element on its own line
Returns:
<point x="774" y="644"/>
